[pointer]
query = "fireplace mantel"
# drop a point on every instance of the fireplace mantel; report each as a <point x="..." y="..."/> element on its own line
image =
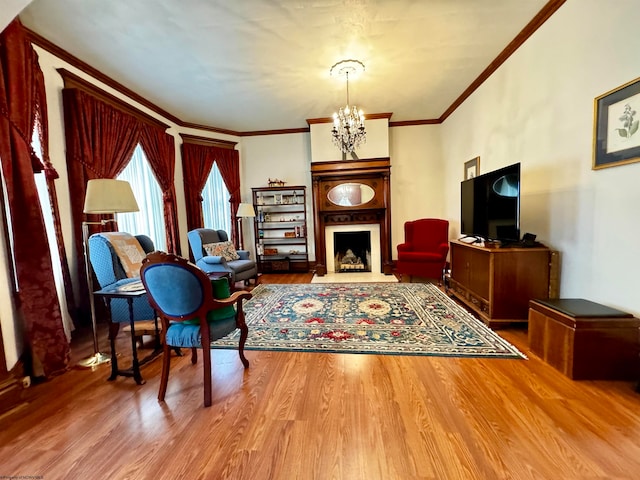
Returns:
<point x="374" y="173"/>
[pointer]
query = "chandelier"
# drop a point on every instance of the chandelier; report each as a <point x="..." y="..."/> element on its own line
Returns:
<point x="348" y="124"/>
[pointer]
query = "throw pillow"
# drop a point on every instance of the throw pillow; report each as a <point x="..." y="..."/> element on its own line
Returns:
<point x="220" y="287"/>
<point x="128" y="250"/>
<point x="221" y="290"/>
<point x="225" y="250"/>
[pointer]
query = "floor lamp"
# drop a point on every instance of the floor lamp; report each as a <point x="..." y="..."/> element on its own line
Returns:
<point x="245" y="210"/>
<point x="104" y="196"/>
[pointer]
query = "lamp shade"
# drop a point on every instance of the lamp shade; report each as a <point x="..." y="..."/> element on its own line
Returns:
<point x="245" y="210"/>
<point x="107" y="195"/>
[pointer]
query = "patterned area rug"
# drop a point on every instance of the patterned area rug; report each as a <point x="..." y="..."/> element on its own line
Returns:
<point x="374" y="318"/>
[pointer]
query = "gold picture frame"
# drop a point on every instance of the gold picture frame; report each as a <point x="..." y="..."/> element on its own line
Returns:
<point x="472" y="168"/>
<point x="616" y="132"/>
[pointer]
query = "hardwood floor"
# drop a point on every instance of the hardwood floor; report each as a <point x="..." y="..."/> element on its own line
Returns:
<point x="327" y="416"/>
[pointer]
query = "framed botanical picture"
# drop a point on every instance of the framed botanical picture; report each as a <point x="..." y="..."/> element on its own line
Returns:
<point x="472" y="168"/>
<point x="616" y="137"/>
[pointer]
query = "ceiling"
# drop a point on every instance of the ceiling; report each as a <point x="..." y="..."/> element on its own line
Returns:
<point x="255" y="65"/>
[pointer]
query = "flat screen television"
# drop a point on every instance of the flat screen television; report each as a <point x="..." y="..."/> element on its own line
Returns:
<point x="490" y="205"/>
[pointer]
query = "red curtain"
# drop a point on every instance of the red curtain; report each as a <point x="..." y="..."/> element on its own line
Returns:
<point x="160" y="150"/>
<point x="196" y="165"/>
<point x="100" y="141"/>
<point x="228" y="161"/>
<point x="51" y="175"/>
<point x="21" y="103"/>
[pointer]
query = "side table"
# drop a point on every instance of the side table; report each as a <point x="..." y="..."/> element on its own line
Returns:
<point x="107" y="294"/>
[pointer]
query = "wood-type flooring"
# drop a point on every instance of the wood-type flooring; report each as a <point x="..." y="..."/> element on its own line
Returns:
<point x="325" y="416"/>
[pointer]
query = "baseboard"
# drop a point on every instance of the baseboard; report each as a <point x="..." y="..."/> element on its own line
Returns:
<point x="10" y="394"/>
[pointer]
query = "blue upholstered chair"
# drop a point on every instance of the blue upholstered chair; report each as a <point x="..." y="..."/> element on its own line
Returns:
<point x="110" y="271"/>
<point x="242" y="269"/>
<point x="194" y="310"/>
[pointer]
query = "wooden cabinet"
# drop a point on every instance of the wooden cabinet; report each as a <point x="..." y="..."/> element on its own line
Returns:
<point x="497" y="283"/>
<point x="280" y="229"/>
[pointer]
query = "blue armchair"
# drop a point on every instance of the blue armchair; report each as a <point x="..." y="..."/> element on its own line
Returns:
<point x="110" y="271"/>
<point x="241" y="269"/>
<point x="194" y="310"/>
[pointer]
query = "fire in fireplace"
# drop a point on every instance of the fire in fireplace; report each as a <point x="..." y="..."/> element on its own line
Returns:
<point x="352" y="251"/>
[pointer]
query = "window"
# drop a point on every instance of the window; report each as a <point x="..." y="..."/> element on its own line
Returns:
<point x="150" y="219"/>
<point x="216" y="209"/>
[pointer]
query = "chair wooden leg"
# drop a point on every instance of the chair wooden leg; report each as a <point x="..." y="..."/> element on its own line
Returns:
<point x="206" y="360"/>
<point x="244" y="332"/>
<point x="164" y="376"/>
<point x="194" y="355"/>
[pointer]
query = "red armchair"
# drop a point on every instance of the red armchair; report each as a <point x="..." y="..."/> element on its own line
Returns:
<point x="424" y="253"/>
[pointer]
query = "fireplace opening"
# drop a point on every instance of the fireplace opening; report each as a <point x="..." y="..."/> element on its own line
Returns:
<point x="352" y="251"/>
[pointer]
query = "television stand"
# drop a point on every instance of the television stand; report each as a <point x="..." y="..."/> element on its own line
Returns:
<point x="497" y="283"/>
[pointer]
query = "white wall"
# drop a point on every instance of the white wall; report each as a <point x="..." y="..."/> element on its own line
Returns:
<point x="376" y="144"/>
<point x="417" y="189"/>
<point x="417" y="172"/>
<point x="285" y="157"/>
<point x="12" y="331"/>
<point x="10" y="10"/>
<point x="537" y="109"/>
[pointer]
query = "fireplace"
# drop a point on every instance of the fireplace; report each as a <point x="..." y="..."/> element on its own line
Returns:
<point x="353" y="237"/>
<point x="352" y="251"/>
<point x="352" y="199"/>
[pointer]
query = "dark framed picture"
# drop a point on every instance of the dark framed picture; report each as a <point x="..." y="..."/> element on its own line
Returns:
<point x="472" y="168"/>
<point x="616" y="137"/>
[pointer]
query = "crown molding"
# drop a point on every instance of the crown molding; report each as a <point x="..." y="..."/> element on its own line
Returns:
<point x="98" y="75"/>
<point x="283" y="131"/>
<point x="71" y="80"/>
<point x="208" y="142"/>
<point x="408" y="123"/>
<point x="208" y="128"/>
<point x="542" y="16"/>
<point x="367" y="116"/>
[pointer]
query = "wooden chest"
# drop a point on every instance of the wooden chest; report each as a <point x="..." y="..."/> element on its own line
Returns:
<point x="585" y="340"/>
